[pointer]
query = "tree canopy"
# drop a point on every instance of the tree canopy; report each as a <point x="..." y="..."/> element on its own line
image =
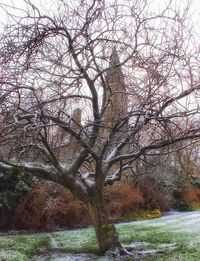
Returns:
<point x="90" y="86"/>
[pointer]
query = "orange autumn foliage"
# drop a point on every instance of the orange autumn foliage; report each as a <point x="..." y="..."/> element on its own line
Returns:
<point x="153" y="197"/>
<point x="192" y="197"/>
<point x="122" y="199"/>
<point x="49" y="205"/>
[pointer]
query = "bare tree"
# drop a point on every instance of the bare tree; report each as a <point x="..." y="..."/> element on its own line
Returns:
<point x="131" y="71"/>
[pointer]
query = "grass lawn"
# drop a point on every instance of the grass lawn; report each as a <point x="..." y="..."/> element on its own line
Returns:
<point x="182" y="229"/>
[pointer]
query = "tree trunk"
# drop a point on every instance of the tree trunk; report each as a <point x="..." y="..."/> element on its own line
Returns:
<point x="106" y="233"/>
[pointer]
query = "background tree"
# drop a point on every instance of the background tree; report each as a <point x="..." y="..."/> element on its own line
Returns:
<point x="53" y="62"/>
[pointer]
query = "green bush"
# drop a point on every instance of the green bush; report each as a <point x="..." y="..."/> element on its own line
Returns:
<point x="183" y="206"/>
<point x="12" y="187"/>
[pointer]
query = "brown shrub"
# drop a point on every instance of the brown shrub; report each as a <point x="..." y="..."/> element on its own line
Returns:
<point x="50" y="205"/>
<point x="122" y="199"/>
<point x="192" y="197"/>
<point x="153" y="197"/>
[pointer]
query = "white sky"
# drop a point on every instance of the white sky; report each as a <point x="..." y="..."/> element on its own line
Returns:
<point x="195" y="6"/>
<point x="156" y="5"/>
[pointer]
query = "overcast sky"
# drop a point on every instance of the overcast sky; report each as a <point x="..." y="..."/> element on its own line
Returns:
<point x="155" y="5"/>
<point x="195" y="5"/>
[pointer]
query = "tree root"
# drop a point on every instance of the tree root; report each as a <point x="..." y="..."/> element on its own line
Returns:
<point x="137" y="250"/>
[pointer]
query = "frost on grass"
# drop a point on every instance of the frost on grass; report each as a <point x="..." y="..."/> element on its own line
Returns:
<point x="68" y="257"/>
<point x="12" y="255"/>
<point x="179" y="220"/>
<point x="158" y="235"/>
<point x="179" y="231"/>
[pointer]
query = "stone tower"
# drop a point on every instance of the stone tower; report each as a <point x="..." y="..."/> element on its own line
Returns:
<point x="117" y="102"/>
<point x="75" y="123"/>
